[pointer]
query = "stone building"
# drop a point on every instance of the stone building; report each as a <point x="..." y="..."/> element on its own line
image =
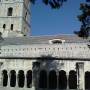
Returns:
<point x="59" y="62"/>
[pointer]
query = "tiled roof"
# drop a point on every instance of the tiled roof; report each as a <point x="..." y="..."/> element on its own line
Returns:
<point x="41" y="39"/>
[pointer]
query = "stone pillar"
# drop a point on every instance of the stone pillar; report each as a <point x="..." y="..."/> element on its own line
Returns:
<point x="80" y="75"/>
<point x="16" y="78"/>
<point x="25" y="84"/>
<point x="67" y="74"/>
<point x="36" y="70"/>
<point x="1" y="77"/>
<point x="8" y="83"/>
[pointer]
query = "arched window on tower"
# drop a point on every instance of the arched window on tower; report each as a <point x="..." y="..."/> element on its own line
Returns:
<point x="12" y="78"/>
<point x="43" y="79"/>
<point x="10" y="11"/>
<point x="5" y="78"/>
<point x="72" y="79"/>
<point x="26" y="16"/>
<point x="4" y="26"/>
<point x="21" y="79"/>
<point x="87" y="80"/>
<point x="12" y="27"/>
<point x="52" y="80"/>
<point x="29" y="79"/>
<point x="62" y="83"/>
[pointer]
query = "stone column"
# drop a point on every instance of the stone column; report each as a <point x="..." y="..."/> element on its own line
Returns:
<point x="25" y="83"/>
<point x="8" y="83"/>
<point x="16" y="78"/>
<point x="80" y="75"/>
<point x="67" y="74"/>
<point x="36" y="70"/>
<point x="1" y="77"/>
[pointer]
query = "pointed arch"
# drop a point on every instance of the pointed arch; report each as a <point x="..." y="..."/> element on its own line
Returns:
<point x="5" y="78"/>
<point x="52" y="80"/>
<point x="43" y="79"/>
<point x="29" y="78"/>
<point x="72" y="79"/>
<point x="62" y="80"/>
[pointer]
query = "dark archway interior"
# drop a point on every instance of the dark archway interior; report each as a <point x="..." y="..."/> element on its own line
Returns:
<point x="13" y="78"/>
<point x="87" y="80"/>
<point x="62" y="80"/>
<point x="21" y="79"/>
<point x="72" y="79"/>
<point x="43" y="79"/>
<point x="5" y="78"/>
<point x="29" y="79"/>
<point x="52" y="80"/>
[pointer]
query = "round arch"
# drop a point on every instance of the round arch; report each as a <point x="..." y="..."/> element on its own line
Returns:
<point x="52" y="79"/>
<point x="29" y="78"/>
<point x="5" y="78"/>
<point x="72" y="79"/>
<point x="62" y="83"/>
<point x="12" y="78"/>
<point x="87" y="80"/>
<point x="43" y="79"/>
<point x="21" y="78"/>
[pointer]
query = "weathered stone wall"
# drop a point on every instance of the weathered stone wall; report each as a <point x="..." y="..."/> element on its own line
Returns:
<point x="66" y="50"/>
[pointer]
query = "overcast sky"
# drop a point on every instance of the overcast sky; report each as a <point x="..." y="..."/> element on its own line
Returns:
<point x="45" y="21"/>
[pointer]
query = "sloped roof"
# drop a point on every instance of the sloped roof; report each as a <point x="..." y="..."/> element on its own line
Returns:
<point x="41" y="39"/>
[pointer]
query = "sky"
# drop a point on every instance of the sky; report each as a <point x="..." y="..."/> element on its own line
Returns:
<point x="46" y="21"/>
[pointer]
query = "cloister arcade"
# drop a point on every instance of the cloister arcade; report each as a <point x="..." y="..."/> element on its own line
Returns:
<point x="50" y="81"/>
<point x="19" y="79"/>
<point x="46" y="74"/>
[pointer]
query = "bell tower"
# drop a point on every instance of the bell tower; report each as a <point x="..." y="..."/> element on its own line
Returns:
<point x="15" y="18"/>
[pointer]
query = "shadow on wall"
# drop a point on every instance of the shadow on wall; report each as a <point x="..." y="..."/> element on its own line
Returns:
<point x="43" y="79"/>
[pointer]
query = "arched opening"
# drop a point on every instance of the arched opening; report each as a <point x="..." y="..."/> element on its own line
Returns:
<point x="21" y="78"/>
<point x="87" y="80"/>
<point x="29" y="79"/>
<point x="5" y="78"/>
<point x="72" y="79"/>
<point x="62" y="80"/>
<point x="10" y="10"/>
<point x="4" y="26"/>
<point x="52" y="80"/>
<point x="11" y="26"/>
<point x="43" y="79"/>
<point x="12" y="78"/>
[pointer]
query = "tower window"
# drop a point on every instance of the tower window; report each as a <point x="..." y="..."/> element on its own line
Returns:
<point x="10" y="10"/>
<point x="11" y="26"/>
<point x="4" y="26"/>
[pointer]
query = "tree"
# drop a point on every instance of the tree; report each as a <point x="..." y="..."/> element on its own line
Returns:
<point x="84" y="18"/>
<point x="54" y="4"/>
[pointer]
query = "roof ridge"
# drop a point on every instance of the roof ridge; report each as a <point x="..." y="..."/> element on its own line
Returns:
<point x="53" y="35"/>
